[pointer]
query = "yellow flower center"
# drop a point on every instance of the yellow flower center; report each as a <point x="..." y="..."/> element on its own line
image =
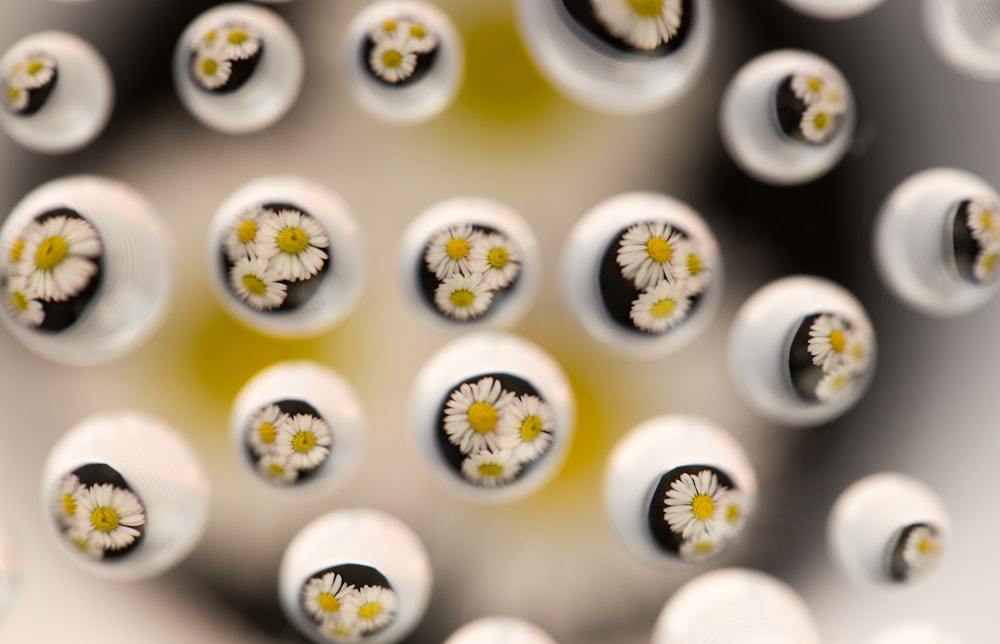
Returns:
<point x="733" y="513"/>
<point x="14" y="94"/>
<point x="389" y="26"/>
<point x="266" y="432"/>
<point x="838" y="341"/>
<point x="16" y="250"/>
<point x="81" y="544"/>
<point x="703" y="507"/>
<point x="292" y="240"/>
<point x="392" y="59"/>
<point x="663" y="308"/>
<point x="303" y="442"/>
<point x="35" y="66"/>
<point x="254" y="285"/>
<point x="647" y="8"/>
<point x="457" y="248"/>
<point x="703" y="547"/>
<point x="238" y="37"/>
<point x="462" y="298"/>
<point x="246" y="231"/>
<point x="104" y="519"/>
<point x="815" y="84"/>
<point x="531" y="427"/>
<point x="694" y="264"/>
<point x="417" y="31"/>
<point x="51" y="253"/>
<point x="210" y="36"/>
<point x="277" y="470"/>
<point x="482" y="417"/>
<point x="987" y="220"/>
<point x="926" y="547"/>
<point x="328" y="602"/>
<point x="370" y="611"/>
<point x="989" y="262"/>
<point x="68" y="505"/>
<point x="20" y="301"/>
<point x="821" y="121"/>
<point x="858" y="351"/>
<point x="209" y="66"/>
<point x="497" y="257"/>
<point x="490" y="470"/>
<point x="659" y="250"/>
<point x="838" y="382"/>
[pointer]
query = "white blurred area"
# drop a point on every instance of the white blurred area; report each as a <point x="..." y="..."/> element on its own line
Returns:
<point x="552" y="559"/>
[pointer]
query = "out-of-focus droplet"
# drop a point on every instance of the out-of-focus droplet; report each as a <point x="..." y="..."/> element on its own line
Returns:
<point x="833" y="9"/>
<point x="966" y="35"/>
<point x="499" y="630"/>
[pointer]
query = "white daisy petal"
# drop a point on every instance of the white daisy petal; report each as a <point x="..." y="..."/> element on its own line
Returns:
<point x="819" y="123"/>
<point x="984" y="223"/>
<point x="210" y="70"/>
<point x="690" y="267"/>
<point x="644" y="24"/>
<point x="374" y="607"/>
<point x="292" y="241"/>
<point x="262" y="430"/>
<point x="828" y="340"/>
<point x="692" y="505"/>
<point x="418" y="36"/>
<point x="393" y="60"/>
<point x="277" y="469"/>
<point x="19" y="301"/>
<point x="238" y="42"/>
<point x="661" y="308"/>
<point x="835" y="383"/>
<point x="34" y="71"/>
<point x="921" y="551"/>
<point x="645" y="253"/>
<point x="525" y="428"/>
<point x="985" y="267"/>
<point x="463" y="297"/>
<point x="67" y="499"/>
<point x="323" y="597"/>
<point x="56" y="257"/>
<point x="703" y="548"/>
<point x="496" y="259"/>
<point x="491" y="469"/>
<point x="256" y="284"/>
<point x="305" y="441"/>
<point x="15" y="98"/>
<point x="449" y="251"/>
<point x="473" y="413"/>
<point x="107" y="516"/>
<point x="242" y="235"/>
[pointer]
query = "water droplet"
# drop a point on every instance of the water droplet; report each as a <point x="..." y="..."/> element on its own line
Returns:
<point x="833" y="9"/>
<point x="966" y="34"/>
<point x="499" y="630"/>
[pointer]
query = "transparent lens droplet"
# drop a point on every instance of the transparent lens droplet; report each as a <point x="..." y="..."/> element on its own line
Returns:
<point x="238" y="68"/>
<point x="57" y="92"/>
<point x="403" y="60"/>
<point x="492" y="415"/>
<point x="470" y="262"/>
<point x="643" y="273"/>
<point x="888" y="529"/>
<point x="735" y="606"/>
<point x="355" y="575"/>
<point x="679" y="488"/>
<point x="966" y="35"/>
<point x="85" y="270"/>
<point x="286" y="256"/>
<point x="833" y="9"/>
<point x="937" y="242"/>
<point x="125" y="496"/>
<point x="499" y="630"/>
<point x="298" y="425"/>
<point x="801" y="351"/>
<point x="610" y="57"/>
<point x="787" y="117"/>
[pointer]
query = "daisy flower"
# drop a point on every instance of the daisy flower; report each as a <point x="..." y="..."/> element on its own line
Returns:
<point x="645" y="253"/>
<point x="374" y="607"/>
<point x="15" y="253"/>
<point x="857" y="355"/>
<point x="491" y="469"/>
<point x="828" y="341"/>
<point x="277" y="469"/>
<point x="643" y="24"/>
<point x="387" y="30"/>
<point x="293" y="241"/>
<point x="393" y="60"/>
<point x="448" y="252"/>
<point x="921" y="550"/>
<point x="496" y="260"/>
<point x="472" y="414"/>
<point x="255" y="283"/>
<point x="420" y="40"/>
<point x="692" y="505"/>
<point x="732" y="512"/>
<point x="238" y="42"/>
<point x="701" y="549"/>
<point x="37" y="71"/>
<point x="211" y="70"/>
<point x="985" y="268"/>
<point x="107" y="516"/>
<point x="20" y="302"/>
<point x="85" y="546"/>
<point x="262" y="430"/>
<point x="342" y="628"/>
<point x="241" y="236"/>
<point x="68" y="499"/>
<point x="818" y="123"/>
<point x="689" y="267"/>
<point x="323" y="596"/>
<point x="305" y="441"/>
<point x="57" y="253"/>
<point x="809" y="88"/>
<point x="983" y="222"/>
<point x="834" y="383"/>
<point x="15" y="98"/>
<point x="463" y="297"/>
<point x="660" y="308"/>
<point x="526" y="428"/>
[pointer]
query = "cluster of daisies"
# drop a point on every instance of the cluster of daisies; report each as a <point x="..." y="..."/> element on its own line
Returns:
<point x="53" y="260"/>
<point x="669" y="270"/>
<point x="823" y="102"/>
<point x="98" y="518"/>
<point x="33" y="73"/>
<point x="285" y="446"/>
<point x="840" y="350"/>
<point x="642" y="24"/>
<point x="497" y="431"/>
<point x="221" y="52"/>
<point x="470" y="264"/>
<point x="398" y="47"/>
<point x="916" y="551"/>
<point x="706" y="514"/>
<point x="984" y="224"/>
<point x="344" y="612"/>
<point x="269" y="249"/>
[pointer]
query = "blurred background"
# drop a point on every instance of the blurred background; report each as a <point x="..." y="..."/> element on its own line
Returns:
<point x="551" y="559"/>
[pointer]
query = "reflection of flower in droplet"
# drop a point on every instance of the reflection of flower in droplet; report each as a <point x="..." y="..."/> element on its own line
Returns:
<point x="323" y="597"/>
<point x="107" y="516"/>
<point x="473" y="412"/>
<point x="732" y="512"/>
<point x="20" y="302"/>
<point x="292" y="241"/>
<point x="277" y="469"/>
<point x="983" y="222"/>
<point x="495" y="259"/>
<point x="643" y="24"/>
<point x="419" y="38"/>
<point x="242" y="234"/>
<point x="15" y="98"/>
<point x="448" y="251"/>
<point x="374" y="607"/>
<point x="342" y="628"/>
<point x="57" y="257"/>
<point x="262" y="431"/>
<point x="305" y="441"/>
<point x="702" y="548"/>
<point x="238" y="42"/>
<point x="818" y="123"/>
<point x="33" y="72"/>
<point x="828" y="340"/>
<point x="985" y="268"/>
<point x="211" y="71"/>
<point x="921" y="550"/>
<point x="690" y="267"/>
<point x="256" y="284"/>
<point x="393" y="60"/>
<point x="525" y="428"/>
<point x="463" y="297"/>
<point x="645" y="253"/>
<point x="809" y="88"/>
<point x="663" y="307"/>
<point x="68" y="499"/>
<point x="692" y="505"/>
<point x="491" y="469"/>
<point x="834" y="383"/>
